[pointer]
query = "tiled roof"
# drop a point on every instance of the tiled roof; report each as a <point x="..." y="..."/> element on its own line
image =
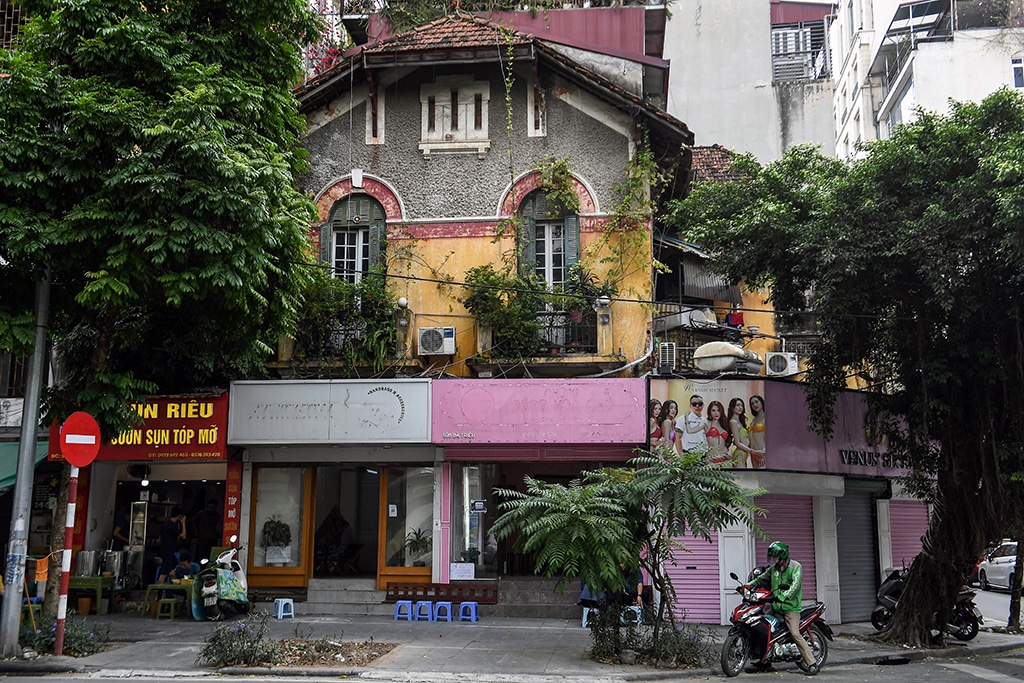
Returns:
<point x="713" y="163"/>
<point x="457" y="31"/>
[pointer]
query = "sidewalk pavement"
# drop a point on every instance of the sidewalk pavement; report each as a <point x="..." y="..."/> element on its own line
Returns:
<point x="498" y="650"/>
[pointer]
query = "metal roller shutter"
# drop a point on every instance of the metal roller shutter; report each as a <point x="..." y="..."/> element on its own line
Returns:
<point x="908" y="522"/>
<point x="694" y="576"/>
<point x="790" y="520"/>
<point x="858" y="577"/>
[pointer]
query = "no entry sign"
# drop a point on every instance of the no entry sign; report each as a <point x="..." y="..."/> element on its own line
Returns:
<point x="80" y="439"/>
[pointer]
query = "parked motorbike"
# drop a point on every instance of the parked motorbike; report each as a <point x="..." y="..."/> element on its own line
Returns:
<point x="762" y="638"/>
<point x="220" y="587"/>
<point x="965" y="619"/>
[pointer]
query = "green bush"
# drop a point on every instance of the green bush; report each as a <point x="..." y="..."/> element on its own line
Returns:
<point x="81" y="638"/>
<point x="243" y="642"/>
<point x="686" y="646"/>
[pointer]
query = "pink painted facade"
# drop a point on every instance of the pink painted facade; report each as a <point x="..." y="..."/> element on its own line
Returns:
<point x="539" y="411"/>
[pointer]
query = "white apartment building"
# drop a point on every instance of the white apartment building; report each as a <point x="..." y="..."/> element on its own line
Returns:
<point x="751" y="75"/>
<point x="890" y="57"/>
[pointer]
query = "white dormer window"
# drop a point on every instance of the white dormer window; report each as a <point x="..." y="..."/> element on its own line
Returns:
<point x="454" y="116"/>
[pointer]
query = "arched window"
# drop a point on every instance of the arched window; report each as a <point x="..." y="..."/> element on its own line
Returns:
<point x="551" y="238"/>
<point x="353" y="237"/>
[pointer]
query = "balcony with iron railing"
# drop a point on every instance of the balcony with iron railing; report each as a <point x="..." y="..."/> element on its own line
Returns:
<point x="570" y="343"/>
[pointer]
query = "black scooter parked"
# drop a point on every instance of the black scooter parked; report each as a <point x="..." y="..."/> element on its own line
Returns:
<point x="965" y="620"/>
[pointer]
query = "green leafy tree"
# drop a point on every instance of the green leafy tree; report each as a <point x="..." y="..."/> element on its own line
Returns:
<point x="147" y="156"/>
<point x="586" y="529"/>
<point x="911" y="259"/>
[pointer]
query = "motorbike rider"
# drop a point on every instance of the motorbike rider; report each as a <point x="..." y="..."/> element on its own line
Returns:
<point x="785" y="577"/>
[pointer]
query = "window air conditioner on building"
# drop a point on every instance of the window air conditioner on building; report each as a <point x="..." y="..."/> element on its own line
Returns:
<point x="436" y="341"/>
<point x="781" y="364"/>
<point x="667" y="355"/>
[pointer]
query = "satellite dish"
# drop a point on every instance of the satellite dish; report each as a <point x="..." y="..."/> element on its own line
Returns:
<point x="698" y="319"/>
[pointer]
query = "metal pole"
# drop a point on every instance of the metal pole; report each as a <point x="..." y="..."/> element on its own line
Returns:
<point x="14" y="576"/>
<point x="65" y="564"/>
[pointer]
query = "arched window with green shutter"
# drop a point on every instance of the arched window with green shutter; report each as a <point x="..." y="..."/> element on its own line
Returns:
<point x="549" y="247"/>
<point x="550" y="240"/>
<point x="353" y="238"/>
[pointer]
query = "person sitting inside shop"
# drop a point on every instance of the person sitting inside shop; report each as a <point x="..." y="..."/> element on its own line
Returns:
<point x="185" y="568"/>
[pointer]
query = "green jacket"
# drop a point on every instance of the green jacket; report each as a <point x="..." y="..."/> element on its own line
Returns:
<point x="787" y="586"/>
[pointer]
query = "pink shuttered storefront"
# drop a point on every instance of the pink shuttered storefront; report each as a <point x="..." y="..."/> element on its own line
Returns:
<point x="790" y="520"/>
<point x="908" y="521"/>
<point x="695" y="578"/>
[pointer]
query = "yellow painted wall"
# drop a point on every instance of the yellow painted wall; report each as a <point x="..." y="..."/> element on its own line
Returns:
<point x="438" y="305"/>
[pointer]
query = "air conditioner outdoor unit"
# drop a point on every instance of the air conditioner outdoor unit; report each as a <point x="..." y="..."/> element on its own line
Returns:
<point x="781" y="364"/>
<point x="667" y="355"/>
<point x="436" y="341"/>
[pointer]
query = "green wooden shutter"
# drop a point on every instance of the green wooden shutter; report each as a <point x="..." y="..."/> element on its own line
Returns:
<point x="376" y="234"/>
<point x="327" y="242"/>
<point x="572" y="240"/>
<point x="528" y="252"/>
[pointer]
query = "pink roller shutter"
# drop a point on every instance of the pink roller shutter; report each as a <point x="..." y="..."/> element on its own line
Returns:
<point x="908" y="521"/>
<point x="790" y="520"/>
<point x="695" y="579"/>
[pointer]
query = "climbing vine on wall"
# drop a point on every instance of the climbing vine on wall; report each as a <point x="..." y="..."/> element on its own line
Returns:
<point x="624" y="247"/>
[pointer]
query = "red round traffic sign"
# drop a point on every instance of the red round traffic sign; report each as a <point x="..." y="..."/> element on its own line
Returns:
<point x="80" y="439"/>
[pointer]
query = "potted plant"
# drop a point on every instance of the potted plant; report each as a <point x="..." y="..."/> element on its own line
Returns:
<point x="276" y="538"/>
<point x="417" y="543"/>
<point x="470" y="554"/>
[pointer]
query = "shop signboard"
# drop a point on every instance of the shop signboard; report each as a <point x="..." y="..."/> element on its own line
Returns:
<point x="766" y="426"/>
<point x="315" y="412"/>
<point x="178" y="428"/>
<point x="540" y="411"/>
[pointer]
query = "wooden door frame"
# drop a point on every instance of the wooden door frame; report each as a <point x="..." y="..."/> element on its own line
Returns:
<point x="386" y="574"/>
<point x="297" y="576"/>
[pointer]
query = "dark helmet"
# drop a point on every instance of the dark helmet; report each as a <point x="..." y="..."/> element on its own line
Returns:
<point x="778" y="551"/>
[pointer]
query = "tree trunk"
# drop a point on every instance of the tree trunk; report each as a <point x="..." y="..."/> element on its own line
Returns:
<point x="966" y="515"/>
<point x="57" y="545"/>
<point x="1013" y="620"/>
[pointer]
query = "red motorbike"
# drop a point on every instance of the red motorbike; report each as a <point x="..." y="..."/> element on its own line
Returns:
<point x="762" y="638"/>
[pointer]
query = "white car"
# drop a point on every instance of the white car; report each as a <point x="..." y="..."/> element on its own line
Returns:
<point x="996" y="570"/>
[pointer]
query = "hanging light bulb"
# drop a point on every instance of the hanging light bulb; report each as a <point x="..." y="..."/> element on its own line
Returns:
<point x="145" y="482"/>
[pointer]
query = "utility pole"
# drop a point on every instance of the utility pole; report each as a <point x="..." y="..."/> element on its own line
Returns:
<point x="14" y="575"/>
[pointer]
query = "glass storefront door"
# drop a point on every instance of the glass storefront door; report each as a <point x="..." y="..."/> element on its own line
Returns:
<point x="280" y="551"/>
<point x="473" y="512"/>
<point x="407" y="542"/>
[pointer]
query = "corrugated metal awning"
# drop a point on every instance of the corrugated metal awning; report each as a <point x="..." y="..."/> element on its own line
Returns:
<point x="698" y="281"/>
<point x="9" y="461"/>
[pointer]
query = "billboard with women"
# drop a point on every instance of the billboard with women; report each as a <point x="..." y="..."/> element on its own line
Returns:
<point x="725" y="419"/>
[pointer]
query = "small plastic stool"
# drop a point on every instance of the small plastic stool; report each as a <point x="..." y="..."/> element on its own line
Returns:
<point x="284" y="607"/>
<point x="419" y="613"/>
<point x="446" y="606"/>
<point x="467" y="611"/>
<point x="403" y="614"/>
<point x="631" y="615"/>
<point x="588" y="614"/>
<point x="167" y="608"/>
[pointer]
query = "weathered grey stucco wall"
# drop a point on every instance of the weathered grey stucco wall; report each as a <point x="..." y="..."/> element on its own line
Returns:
<point x="805" y="114"/>
<point x="462" y="185"/>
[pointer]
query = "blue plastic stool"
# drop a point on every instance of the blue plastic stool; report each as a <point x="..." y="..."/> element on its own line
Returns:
<point x="467" y="611"/>
<point x="407" y="613"/>
<point x="446" y="606"/>
<point x="284" y="607"/>
<point x="418" y="613"/>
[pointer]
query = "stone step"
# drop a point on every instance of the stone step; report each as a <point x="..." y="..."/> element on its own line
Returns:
<point x="523" y="597"/>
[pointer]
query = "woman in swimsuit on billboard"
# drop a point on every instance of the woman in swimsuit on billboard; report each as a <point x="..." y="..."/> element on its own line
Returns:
<point x="757" y="439"/>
